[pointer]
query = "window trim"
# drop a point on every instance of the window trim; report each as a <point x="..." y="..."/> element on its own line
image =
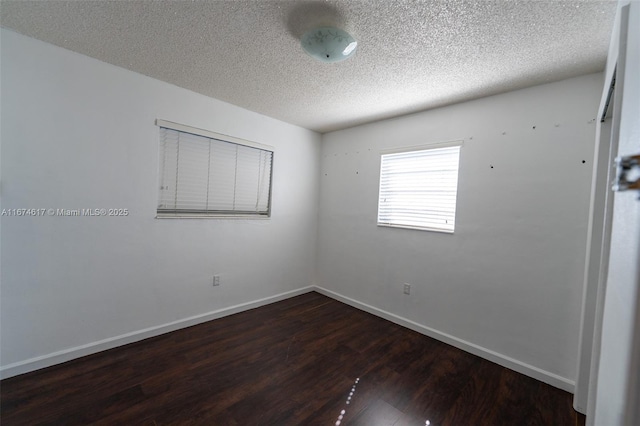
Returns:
<point x="422" y="147"/>
<point x="211" y="135"/>
<point x="225" y="138"/>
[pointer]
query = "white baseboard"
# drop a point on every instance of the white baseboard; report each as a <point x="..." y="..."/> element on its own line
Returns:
<point x="54" y="358"/>
<point x="505" y="361"/>
<point x="48" y="360"/>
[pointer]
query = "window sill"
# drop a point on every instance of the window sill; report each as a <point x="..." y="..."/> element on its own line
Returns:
<point x="416" y="228"/>
<point x="212" y="216"/>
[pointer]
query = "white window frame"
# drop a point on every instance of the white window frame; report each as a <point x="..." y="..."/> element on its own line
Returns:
<point x="384" y="219"/>
<point x="199" y="214"/>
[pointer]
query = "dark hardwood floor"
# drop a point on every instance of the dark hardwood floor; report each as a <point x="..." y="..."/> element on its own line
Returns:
<point x="294" y="362"/>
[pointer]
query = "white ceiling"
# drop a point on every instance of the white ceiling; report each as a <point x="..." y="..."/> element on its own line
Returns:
<point x="412" y="55"/>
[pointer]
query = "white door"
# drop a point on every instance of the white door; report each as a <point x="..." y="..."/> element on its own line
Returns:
<point x="617" y="393"/>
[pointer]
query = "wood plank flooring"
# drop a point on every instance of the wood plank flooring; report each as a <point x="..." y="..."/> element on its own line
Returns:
<point x="293" y="362"/>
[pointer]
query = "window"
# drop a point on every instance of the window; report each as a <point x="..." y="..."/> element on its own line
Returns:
<point x="418" y="188"/>
<point x="204" y="174"/>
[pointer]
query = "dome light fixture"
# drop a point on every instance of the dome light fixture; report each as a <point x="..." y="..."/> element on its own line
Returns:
<point x="329" y="44"/>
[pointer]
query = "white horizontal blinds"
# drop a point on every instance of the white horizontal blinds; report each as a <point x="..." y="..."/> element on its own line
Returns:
<point x="201" y="175"/>
<point x="193" y="170"/>
<point x="222" y="176"/>
<point x="168" y="169"/>
<point x="247" y="179"/>
<point x="418" y="189"/>
<point x="264" y="181"/>
<point x="252" y="179"/>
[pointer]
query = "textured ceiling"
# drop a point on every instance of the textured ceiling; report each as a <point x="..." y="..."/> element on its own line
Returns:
<point x="412" y="55"/>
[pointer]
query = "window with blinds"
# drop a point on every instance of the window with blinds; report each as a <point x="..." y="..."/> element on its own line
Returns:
<point x="418" y="189"/>
<point x="203" y="174"/>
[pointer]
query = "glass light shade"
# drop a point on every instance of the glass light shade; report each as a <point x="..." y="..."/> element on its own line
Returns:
<point x="329" y="44"/>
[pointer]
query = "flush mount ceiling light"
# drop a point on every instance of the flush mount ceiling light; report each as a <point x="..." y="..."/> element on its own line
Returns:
<point x="329" y="44"/>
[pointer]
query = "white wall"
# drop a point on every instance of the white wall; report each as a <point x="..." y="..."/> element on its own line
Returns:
<point x="508" y="284"/>
<point x="78" y="133"/>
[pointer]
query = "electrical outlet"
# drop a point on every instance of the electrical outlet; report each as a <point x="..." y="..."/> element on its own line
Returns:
<point x="216" y="280"/>
<point x="407" y="288"/>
